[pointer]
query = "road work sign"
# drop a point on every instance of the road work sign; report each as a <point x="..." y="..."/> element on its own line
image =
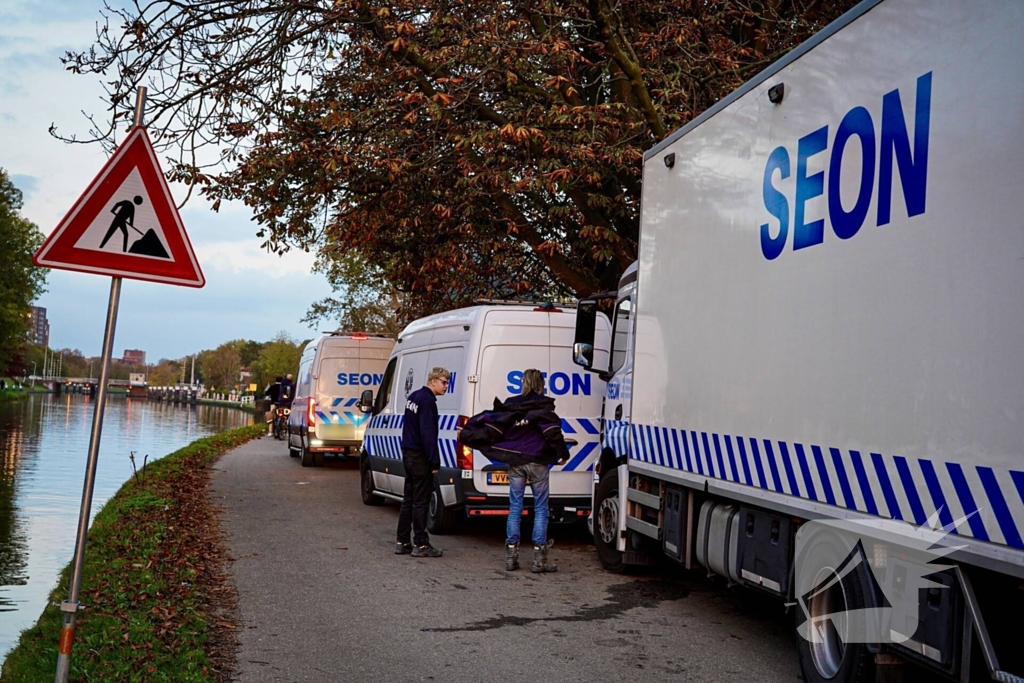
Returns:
<point x="125" y="224"/>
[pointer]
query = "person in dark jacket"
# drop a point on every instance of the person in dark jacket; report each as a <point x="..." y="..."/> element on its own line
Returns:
<point x="525" y="433"/>
<point x="287" y="391"/>
<point x="273" y="391"/>
<point x="422" y="460"/>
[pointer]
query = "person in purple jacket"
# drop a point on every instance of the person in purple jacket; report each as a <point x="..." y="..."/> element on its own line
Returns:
<point x="422" y="460"/>
<point x="525" y="433"/>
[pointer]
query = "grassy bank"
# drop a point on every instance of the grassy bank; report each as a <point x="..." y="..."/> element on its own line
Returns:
<point x="13" y="395"/>
<point x="16" y="394"/>
<point x="155" y="599"/>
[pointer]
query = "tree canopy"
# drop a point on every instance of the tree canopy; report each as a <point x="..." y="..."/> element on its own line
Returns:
<point x="21" y="282"/>
<point x="462" y="148"/>
<point x="277" y="358"/>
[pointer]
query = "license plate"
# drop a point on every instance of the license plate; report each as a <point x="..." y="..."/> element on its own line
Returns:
<point x="497" y="477"/>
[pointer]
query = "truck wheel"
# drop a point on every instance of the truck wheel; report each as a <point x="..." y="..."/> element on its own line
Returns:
<point x="606" y="523"/>
<point x="829" y="659"/>
<point x="307" y="456"/>
<point x="366" y="484"/>
<point x="440" y="520"/>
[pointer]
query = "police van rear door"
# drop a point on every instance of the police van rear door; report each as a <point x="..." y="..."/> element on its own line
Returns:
<point x="346" y="367"/>
<point x="336" y="394"/>
<point x="517" y="339"/>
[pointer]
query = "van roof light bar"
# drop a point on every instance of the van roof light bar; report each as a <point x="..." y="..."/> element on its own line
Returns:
<point x="536" y="303"/>
<point x="356" y="335"/>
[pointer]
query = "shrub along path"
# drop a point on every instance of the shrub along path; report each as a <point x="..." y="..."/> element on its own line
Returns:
<point x="157" y="605"/>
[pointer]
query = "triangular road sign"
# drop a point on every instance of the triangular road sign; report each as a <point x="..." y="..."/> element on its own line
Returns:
<point x="125" y="224"/>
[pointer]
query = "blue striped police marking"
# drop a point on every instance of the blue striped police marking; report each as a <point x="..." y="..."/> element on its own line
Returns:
<point x="826" y="485"/>
<point x="808" y="482"/>
<point x="757" y="463"/>
<point x="616" y="437"/>
<point x="583" y="456"/>
<point x="892" y="486"/>
<point x="865" y="485"/>
<point x="995" y="497"/>
<point x="844" y="482"/>
<point x="696" y="451"/>
<point x="788" y="464"/>
<point x="887" y="490"/>
<point x="389" y="444"/>
<point x="342" y="418"/>
<point x="935" y="490"/>
<point x="346" y="402"/>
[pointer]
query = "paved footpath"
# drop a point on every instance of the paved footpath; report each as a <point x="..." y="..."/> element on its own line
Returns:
<point x="323" y="598"/>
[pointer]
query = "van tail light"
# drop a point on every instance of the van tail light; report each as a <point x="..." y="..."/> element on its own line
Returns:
<point x="311" y="412"/>
<point x="464" y="460"/>
<point x="359" y="337"/>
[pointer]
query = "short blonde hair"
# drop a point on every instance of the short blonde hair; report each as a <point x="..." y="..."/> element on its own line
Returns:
<point x="439" y="373"/>
<point x="533" y="380"/>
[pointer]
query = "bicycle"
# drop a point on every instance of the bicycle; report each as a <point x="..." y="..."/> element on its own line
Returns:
<point x="280" y="423"/>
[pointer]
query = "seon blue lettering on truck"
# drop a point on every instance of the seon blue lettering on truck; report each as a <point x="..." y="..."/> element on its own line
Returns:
<point x="356" y="378"/>
<point x="894" y="148"/>
<point x="559" y="384"/>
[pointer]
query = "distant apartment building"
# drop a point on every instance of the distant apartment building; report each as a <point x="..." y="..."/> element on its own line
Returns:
<point x="134" y="357"/>
<point x="39" y="326"/>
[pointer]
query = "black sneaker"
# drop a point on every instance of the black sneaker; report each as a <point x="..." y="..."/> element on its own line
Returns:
<point x="426" y="551"/>
<point x="403" y="548"/>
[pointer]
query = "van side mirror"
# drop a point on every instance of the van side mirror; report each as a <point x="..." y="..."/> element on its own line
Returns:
<point x="366" y="401"/>
<point x="586" y="323"/>
<point x="583" y="355"/>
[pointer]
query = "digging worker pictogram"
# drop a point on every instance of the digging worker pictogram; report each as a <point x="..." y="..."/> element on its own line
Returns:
<point x="124" y="216"/>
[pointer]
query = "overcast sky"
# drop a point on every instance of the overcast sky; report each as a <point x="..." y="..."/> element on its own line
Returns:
<point x="249" y="293"/>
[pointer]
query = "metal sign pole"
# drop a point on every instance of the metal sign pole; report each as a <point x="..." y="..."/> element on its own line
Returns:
<point x="70" y="607"/>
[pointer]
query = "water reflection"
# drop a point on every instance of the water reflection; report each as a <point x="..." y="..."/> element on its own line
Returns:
<point x="43" y="445"/>
<point x="13" y="541"/>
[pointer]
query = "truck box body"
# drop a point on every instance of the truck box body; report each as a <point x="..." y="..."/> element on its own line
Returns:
<point x="830" y="294"/>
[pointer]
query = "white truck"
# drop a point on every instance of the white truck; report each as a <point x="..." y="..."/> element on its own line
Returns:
<point x="826" y="323"/>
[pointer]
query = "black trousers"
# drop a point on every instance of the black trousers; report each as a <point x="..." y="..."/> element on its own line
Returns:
<point x="419" y="482"/>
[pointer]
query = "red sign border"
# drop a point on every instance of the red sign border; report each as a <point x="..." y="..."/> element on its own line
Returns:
<point x="59" y="251"/>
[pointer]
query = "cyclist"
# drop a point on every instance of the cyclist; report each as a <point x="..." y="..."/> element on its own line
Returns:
<point x="273" y="392"/>
<point x="287" y="391"/>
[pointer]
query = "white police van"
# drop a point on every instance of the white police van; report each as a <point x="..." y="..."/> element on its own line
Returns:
<point x="486" y="348"/>
<point x="333" y="372"/>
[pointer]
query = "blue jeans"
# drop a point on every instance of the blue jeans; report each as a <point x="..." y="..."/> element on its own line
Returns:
<point x="538" y="475"/>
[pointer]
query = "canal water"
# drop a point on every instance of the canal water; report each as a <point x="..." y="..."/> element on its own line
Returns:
<point x="44" y="441"/>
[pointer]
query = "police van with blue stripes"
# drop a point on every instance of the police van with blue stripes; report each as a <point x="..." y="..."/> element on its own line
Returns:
<point x="486" y="348"/>
<point x="824" y="332"/>
<point x="333" y="372"/>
